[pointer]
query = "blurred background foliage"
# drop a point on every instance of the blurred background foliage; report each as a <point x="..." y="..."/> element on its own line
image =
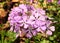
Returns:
<point x="52" y="10"/>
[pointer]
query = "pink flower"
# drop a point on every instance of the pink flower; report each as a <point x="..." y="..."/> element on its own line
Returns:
<point x="43" y="28"/>
<point x="52" y="28"/>
<point x="23" y="7"/>
<point x="48" y="32"/>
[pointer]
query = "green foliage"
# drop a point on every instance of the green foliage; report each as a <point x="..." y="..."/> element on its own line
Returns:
<point x="27" y="41"/>
<point x="7" y="37"/>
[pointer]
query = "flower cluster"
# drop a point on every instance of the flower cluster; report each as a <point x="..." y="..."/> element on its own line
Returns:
<point x="28" y="21"/>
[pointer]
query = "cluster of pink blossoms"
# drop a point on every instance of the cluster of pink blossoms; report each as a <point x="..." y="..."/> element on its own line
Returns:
<point x="29" y="20"/>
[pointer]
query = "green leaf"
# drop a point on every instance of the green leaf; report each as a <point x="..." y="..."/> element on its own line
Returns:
<point x="45" y="41"/>
<point x="2" y="32"/>
<point x="11" y="35"/>
<point x="0" y="41"/>
<point x="27" y="41"/>
<point x="51" y="38"/>
<point x="37" y="37"/>
<point x="5" y="41"/>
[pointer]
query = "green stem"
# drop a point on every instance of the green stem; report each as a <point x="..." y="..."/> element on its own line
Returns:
<point x="2" y="39"/>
